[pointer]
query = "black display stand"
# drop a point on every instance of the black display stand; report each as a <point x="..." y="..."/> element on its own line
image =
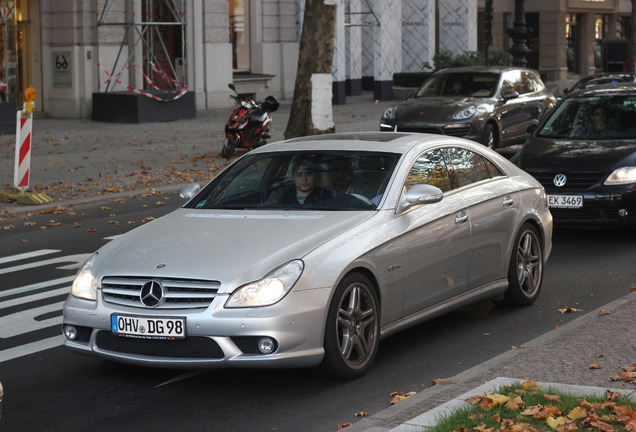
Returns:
<point x="8" y="115"/>
<point x="128" y="107"/>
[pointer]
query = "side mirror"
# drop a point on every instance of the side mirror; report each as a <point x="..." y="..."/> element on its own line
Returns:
<point x="419" y="195"/>
<point x="510" y="94"/>
<point x="531" y="129"/>
<point x="189" y="191"/>
<point x="231" y="86"/>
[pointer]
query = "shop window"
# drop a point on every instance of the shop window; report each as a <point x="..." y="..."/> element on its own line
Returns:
<point x="240" y="34"/>
<point x="600" y="30"/>
<point x="573" y="43"/>
<point x="15" y="65"/>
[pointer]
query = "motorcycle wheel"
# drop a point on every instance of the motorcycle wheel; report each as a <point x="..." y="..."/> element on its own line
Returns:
<point x="229" y="145"/>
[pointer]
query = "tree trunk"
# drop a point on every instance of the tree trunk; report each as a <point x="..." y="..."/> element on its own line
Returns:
<point x="311" y="110"/>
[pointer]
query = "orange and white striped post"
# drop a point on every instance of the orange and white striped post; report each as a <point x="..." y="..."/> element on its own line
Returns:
<point x="24" y="124"/>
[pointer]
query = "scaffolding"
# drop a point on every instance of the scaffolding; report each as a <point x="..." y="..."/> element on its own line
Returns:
<point x="161" y="36"/>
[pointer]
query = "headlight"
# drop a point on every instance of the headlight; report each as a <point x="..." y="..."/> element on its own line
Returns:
<point x="268" y="290"/>
<point x="623" y="175"/>
<point x="464" y="113"/>
<point x="389" y="113"/>
<point x="85" y="283"/>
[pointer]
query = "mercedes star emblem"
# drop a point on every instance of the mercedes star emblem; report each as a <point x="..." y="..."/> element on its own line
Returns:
<point x="151" y="293"/>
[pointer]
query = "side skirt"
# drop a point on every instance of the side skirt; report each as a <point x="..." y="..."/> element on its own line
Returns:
<point x="490" y="291"/>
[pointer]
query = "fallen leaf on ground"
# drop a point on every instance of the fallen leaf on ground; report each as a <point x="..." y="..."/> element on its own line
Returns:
<point x="554" y="423"/>
<point x="595" y="366"/>
<point x="569" y="310"/>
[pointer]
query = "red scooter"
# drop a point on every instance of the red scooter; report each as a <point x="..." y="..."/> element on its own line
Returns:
<point x="248" y="126"/>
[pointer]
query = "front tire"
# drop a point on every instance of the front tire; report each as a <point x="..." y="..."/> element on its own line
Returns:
<point x="489" y="137"/>
<point x="229" y="145"/>
<point x="525" y="274"/>
<point x="352" y="331"/>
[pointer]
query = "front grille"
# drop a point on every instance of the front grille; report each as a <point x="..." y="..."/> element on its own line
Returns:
<point x="178" y="293"/>
<point x="188" y="348"/>
<point x="585" y="213"/>
<point x="457" y="131"/>
<point x="420" y="130"/>
<point x="575" y="181"/>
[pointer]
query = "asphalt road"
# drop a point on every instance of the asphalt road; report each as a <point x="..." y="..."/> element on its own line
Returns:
<point x="52" y="389"/>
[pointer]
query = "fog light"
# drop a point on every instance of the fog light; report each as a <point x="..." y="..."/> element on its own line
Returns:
<point x="70" y="332"/>
<point x="623" y="213"/>
<point x="266" y="345"/>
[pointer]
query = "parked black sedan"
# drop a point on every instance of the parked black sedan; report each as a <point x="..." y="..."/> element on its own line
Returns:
<point x="491" y="105"/>
<point x="584" y="155"/>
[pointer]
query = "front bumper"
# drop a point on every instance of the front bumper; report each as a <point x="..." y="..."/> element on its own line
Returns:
<point x="216" y="337"/>
<point x="599" y="209"/>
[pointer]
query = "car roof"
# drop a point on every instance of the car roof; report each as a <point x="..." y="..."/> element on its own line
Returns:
<point x="605" y="89"/>
<point x="392" y="142"/>
<point x="495" y="69"/>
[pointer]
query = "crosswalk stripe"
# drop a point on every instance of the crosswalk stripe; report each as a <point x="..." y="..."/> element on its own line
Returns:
<point x="31" y="348"/>
<point x="27" y="255"/>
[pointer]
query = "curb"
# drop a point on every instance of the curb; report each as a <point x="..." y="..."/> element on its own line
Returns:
<point x="460" y="384"/>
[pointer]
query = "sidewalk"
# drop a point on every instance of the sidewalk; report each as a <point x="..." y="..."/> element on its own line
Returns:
<point x="77" y="160"/>
<point x="559" y="359"/>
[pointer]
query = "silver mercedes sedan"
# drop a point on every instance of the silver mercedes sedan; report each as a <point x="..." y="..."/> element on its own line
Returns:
<point x="306" y="252"/>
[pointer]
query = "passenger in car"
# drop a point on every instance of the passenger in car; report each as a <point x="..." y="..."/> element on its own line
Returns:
<point x="344" y="181"/>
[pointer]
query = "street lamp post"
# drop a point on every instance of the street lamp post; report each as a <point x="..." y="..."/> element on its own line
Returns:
<point x="519" y="34"/>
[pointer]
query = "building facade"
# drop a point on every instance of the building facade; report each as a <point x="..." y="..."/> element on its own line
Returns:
<point x="71" y="49"/>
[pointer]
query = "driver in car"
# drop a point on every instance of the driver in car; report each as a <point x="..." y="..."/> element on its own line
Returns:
<point x="304" y="191"/>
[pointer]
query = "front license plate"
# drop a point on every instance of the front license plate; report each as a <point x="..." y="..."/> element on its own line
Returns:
<point x="148" y="327"/>
<point x="565" y="201"/>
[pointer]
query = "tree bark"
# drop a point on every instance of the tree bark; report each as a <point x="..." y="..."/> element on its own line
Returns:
<point x="311" y="110"/>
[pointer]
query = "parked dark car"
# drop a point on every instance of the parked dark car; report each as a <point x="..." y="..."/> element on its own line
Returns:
<point x="491" y="105"/>
<point x="598" y="79"/>
<point x="584" y="155"/>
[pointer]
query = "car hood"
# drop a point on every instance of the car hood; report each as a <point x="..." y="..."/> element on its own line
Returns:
<point x="232" y="247"/>
<point x="541" y="154"/>
<point x="433" y="109"/>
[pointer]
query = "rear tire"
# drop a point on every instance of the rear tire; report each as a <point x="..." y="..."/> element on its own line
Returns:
<point x="352" y="331"/>
<point x="525" y="273"/>
<point x="229" y="145"/>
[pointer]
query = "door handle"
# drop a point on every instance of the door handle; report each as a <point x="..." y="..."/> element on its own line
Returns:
<point x="507" y="201"/>
<point x="461" y="218"/>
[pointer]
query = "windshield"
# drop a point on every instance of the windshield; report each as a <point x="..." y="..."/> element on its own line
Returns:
<point x="460" y="85"/>
<point x="593" y="117"/>
<point x="301" y="180"/>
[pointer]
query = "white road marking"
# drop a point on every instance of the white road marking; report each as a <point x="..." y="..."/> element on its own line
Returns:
<point x="24" y="321"/>
<point x="27" y="255"/>
<point x="33" y="287"/>
<point x="31" y="348"/>
<point x="76" y="261"/>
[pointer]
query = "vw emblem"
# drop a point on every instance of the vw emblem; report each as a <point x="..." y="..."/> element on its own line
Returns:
<point x="559" y="180"/>
<point x="151" y="293"/>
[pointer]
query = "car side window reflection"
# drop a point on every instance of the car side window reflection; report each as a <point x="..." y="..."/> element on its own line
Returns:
<point x="468" y="167"/>
<point x="430" y="168"/>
